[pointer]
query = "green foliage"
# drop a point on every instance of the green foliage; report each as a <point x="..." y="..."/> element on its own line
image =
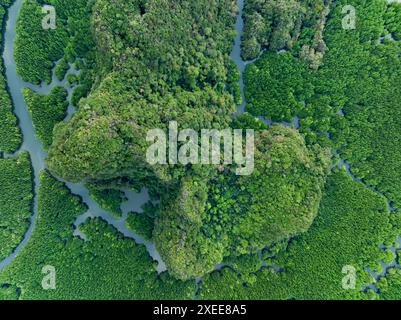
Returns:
<point x="161" y="61"/>
<point x="206" y="219"/>
<point x="358" y="76"/>
<point x="248" y="121"/>
<point x="16" y="201"/>
<point x="393" y="20"/>
<point x="9" y="292"/>
<point x="46" y="111"/>
<point x="187" y="252"/>
<point x="390" y="285"/>
<point x="141" y="224"/>
<point x="168" y="64"/>
<point x="72" y="80"/>
<point x="61" y="69"/>
<point x="36" y="48"/>
<point x="10" y="135"/>
<point x="282" y="195"/>
<point x="109" y="199"/>
<point x="106" y="266"/>
<point x="388" y="256"/>
<point x="6" y="3"/>
<point x="371" y="99"/>
<point x="246" y="266"/>
<point x="276" y="86"/>
<point x="286" y="24"/>
<point x="233" y="78"/>
<point x="177" y="70"/>
<point x="313" y="263"/>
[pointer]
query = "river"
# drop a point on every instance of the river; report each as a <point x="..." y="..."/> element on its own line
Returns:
<point x="32" y="145"/>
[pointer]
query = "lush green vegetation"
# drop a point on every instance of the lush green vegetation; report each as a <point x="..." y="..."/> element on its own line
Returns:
<point x="229" y="215"/>
<point x="392" y="20"/>
<point x="106" y="266"/>
<point x="143" y="223"/>
<point x="358" y="76"/>
<point x="158" y="62"/>
<point x="352" y="222"/>
<point x="277" y="86"/>
<point x="178" y="70"/>
<point x="390" y="285"/>
<point x="16" y="201"/>
<point x="46" y="111"/>
<point x="286" y="24"/>
<point x="370" y="98"/>
<point x="109" y="199"/>
<point x="61" y="69"/>
<point x="35" y="47"/>
<point x="10" y="135"/>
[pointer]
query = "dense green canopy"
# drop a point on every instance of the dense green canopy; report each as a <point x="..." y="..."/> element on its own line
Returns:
<point x="286" y="231"/>
<point x="208" y="219"/>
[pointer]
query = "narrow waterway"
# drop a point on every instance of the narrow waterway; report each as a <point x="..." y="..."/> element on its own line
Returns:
<point x="32" y="145"/>
<point x="241" y="66"/>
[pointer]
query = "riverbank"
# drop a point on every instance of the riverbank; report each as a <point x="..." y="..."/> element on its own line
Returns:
<point x="35" y="149"/>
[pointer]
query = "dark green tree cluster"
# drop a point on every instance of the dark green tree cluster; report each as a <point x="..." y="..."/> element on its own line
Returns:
<point x="390" y="285"/>
<point x="105" y="266"/>
<point x="10" y="135"/>
<point x="16" y="201"/>
<point x="367" y="72"/>
<point x="165" y="62"/>
<point x="46" y="111"/>
<point x="187" y="252"/>
<point x="61" y="69"/>
<point x="141" y="224"/>
<point x="358" y="70"/>
<point x="352" y="223"/>
<point x="109" y="199"/>
<point x="6" y="3"/>
<point x="160" y="62"/>
<point x="393" y="20"/>
<point x="246" y="265"/>
<point x="286" y="24"/>
<point x="36" y="49"/>
<point x="359" y="75"/>
<point x="75" y="17"/>
<point x="276" y="86"/>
